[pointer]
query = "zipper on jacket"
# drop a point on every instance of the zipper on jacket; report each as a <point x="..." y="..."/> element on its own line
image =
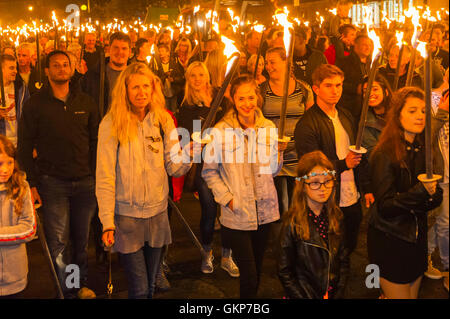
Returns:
<point x="329" y="263"/>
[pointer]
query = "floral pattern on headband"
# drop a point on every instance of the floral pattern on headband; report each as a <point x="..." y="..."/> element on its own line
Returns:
<point x="305" y="177"/>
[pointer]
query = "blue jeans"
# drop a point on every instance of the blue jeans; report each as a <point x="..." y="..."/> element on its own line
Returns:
<point x="141" y="268"/>
<point x="68" y="208"/>
<point x="209" y="213"/>
<point x="438" y="232"/>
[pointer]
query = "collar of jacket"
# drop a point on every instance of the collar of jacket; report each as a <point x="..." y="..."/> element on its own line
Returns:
<point x="230" y="119"/>
<point x="74" y="91"/>
<point x="315" y="239"/>
<point x="375" y="121"/>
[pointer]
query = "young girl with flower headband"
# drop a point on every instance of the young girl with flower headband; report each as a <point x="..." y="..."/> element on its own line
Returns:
<point x="313" y="262"/>
<point x="17" y="222"/>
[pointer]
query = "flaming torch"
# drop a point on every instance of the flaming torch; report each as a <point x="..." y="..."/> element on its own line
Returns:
<point x="376" y="55"/>
<point x="233" y="55"/>
<point x="288" y="37"/>
<point x="415" y="17"/>
<point x="260" y="29"/>
<point x="399" y="36"/>
<point x="428" y="176"/>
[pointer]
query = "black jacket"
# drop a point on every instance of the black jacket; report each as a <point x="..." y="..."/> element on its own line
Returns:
<point x="64" y="135"/>
<point x="176" y="70"/>
<point x="90" y="84"/>
<point x="315" y="132"/>
<point x="314" y="58"/>
<point x="354" y="73"/>
<point x="389" y="74"/>
<point x="401" y="201"/>
<point x="307" y="268"/>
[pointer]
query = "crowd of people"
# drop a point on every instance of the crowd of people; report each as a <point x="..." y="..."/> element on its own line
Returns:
<point x="91" y="141"/>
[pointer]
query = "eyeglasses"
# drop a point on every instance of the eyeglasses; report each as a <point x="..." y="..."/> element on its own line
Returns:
<point x="317" y="185"/>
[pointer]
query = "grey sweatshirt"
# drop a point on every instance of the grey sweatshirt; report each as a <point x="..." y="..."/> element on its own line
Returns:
<point x="15" y="231"/>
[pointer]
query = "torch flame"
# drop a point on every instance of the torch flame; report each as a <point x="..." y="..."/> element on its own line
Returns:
<point x="196" y="9"/>
<point x="422" y="49"/>
<point x="148" y="58"/>
<point x="228" y="51"/>
<point x="259" y="28"/>
<point x="399" y="36"/>
<point x="282" y="18"/>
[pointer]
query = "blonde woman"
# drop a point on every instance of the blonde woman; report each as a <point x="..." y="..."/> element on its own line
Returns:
<point x="260" y="78"/>
<point x="196" y="106"/>
<point x="135" y="154"/>
<point x="216" y="63"/>
<point x="183" y="52"/>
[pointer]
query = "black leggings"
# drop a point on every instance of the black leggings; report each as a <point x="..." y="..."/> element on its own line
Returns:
<point x="352" y="221"/>
<point x="248" y="251"/>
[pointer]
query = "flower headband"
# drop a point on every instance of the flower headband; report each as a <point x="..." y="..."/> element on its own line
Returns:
<point x="312" y="174"/>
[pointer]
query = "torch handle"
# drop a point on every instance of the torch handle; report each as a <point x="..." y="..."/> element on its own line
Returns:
<point x="101" y="97"/>
<point x="261" y="43"/>
<point x="397" y="69"/>
<point x="219" y="97"/>
<point x="428" y="150"/>
<point x="2" y="85"/>
<point x="365" y="106"/>
<point x="412" y="64"/>
<point x="282" y="125"/>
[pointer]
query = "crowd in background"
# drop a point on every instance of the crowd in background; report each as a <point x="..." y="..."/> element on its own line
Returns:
<point x="103" y="161"/>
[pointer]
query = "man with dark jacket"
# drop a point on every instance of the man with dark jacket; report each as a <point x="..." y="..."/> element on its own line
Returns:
<point x="331" y="130"/>
<point x="355" y="67"/>
<point x="16" y="93"/>
<point x="120" y="51"/>
<point x="61" y="122"/>
<point x="306" y="59"/>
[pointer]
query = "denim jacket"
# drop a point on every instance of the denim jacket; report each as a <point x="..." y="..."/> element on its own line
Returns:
<point x="132" y="177"/>
<point x="249" y="185"/>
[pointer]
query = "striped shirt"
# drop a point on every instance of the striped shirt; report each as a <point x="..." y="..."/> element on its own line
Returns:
<point x="294" y="112"/>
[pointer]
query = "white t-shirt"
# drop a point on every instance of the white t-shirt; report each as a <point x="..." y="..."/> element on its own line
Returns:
<point x="349" y="192"/>
<point x="11" y="121"/>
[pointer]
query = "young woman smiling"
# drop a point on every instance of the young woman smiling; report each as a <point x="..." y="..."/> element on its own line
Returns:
<point x="245" y="190"/>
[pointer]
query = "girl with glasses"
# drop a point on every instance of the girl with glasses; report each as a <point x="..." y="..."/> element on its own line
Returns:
<point x="313" y="263"/>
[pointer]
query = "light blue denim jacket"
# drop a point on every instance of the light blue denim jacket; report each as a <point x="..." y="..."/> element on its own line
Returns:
<point x="131" y="178"/>
<point x="249" y="183"/>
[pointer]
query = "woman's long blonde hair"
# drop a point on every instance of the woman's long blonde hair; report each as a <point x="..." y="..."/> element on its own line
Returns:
<point x="124" y="121"/>
<point x="190" y="96"/>
<point x="16" y="186"/>
<point x="216" y="63"/>
<point x="297" y="215"/>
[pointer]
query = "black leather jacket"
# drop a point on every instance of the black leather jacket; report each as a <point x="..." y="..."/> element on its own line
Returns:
<point x="307" y="268"/>
<point x="401" y="201"/>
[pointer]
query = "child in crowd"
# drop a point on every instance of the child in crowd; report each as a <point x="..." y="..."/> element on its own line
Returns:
<point x="17" y="222"/>
<point x="313" y="263"/>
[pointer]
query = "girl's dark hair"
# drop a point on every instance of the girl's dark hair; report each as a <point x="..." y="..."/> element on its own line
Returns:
<point x="387" y="91"/>
<point x="297" y="215"/>
<point x="392" y="138"/>
<point x="16" y="186"/>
